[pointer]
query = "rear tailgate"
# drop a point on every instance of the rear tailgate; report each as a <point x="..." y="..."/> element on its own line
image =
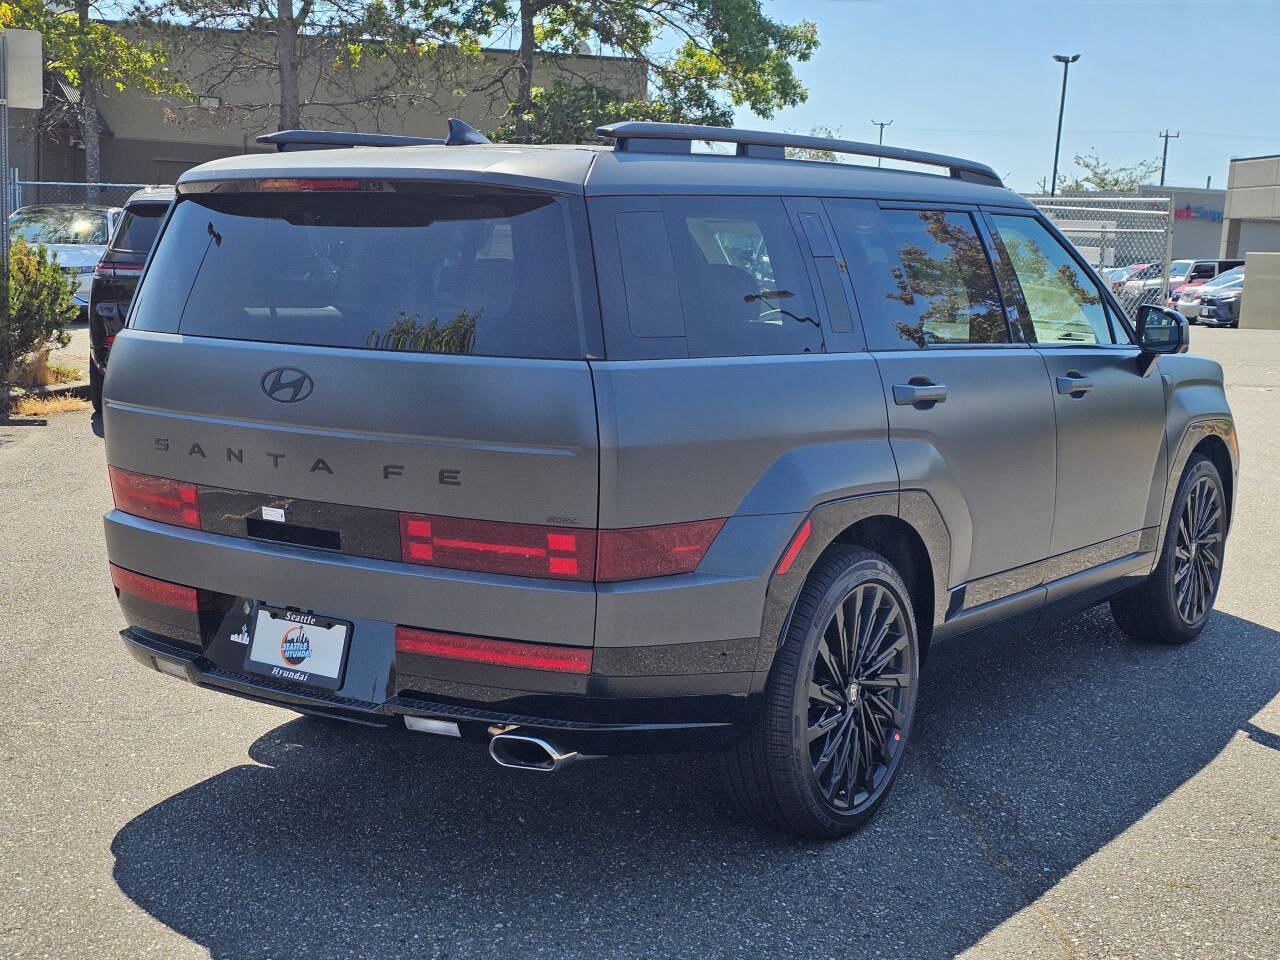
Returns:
<point x="364" y="415"/>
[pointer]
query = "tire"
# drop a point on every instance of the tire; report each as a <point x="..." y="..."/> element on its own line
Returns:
<point x="1174" y="603"/>
<point x="95" y="388"/>
<point x="786" y="773"/>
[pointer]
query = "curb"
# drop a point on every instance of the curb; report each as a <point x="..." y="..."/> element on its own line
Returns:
<point x="79" y="389"/>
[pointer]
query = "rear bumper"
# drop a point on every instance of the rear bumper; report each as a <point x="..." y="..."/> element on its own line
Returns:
<point x="656" y="724"/>
<point x="662" y="690"/>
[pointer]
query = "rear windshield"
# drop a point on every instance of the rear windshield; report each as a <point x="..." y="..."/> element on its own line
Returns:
<point x="417" y="268"/>
<point x="138" y="226"/>
<point x="59" y="225"/>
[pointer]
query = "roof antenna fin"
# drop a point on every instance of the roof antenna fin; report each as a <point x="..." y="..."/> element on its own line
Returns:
<point x="461" y="133"/>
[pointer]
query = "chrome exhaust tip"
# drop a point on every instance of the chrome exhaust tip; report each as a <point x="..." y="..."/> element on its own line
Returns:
<point x="519" y="751"/>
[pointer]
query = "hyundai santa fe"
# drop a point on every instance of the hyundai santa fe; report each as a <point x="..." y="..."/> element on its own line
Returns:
<point x="576" y="451"/>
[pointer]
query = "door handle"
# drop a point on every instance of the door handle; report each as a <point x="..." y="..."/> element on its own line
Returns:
<point x="1074" y="384"/>
<point x="918" y="391"/>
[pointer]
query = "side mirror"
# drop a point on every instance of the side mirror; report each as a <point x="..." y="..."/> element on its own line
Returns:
<point x="1160" y="331"/>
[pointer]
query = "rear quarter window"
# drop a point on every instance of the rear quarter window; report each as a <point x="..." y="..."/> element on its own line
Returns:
<point x="416" y="268"/>
<point x="138" y="228"/>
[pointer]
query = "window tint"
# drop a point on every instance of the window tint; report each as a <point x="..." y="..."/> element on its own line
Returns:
<point x="414" y="269"/>
<point x="943" y="268"/>
<point x="138" y="226"/>
<point x="648" y="275"/>
<point x="1064" y="304"/>
<point x="889" y="315"/>
<point x="744" y="286"/>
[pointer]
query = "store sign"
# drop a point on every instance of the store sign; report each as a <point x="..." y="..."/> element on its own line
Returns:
<point x="1197" y="213"/>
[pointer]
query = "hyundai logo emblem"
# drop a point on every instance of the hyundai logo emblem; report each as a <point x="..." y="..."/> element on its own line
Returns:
<point x="287" y="384"/>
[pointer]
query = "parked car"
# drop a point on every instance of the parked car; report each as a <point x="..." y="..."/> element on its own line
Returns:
<point x="1116" y="276"/>
<point x="77" y="234"/>
<point x="1187" y="299"/>
<point x="1220" y="307"/>
<point x="116" y="276"/>
<point x="1139" y="288"/>
<point x="572" y="452"/>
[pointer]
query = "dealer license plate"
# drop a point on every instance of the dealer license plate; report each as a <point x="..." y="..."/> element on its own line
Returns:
<point x="298" y="647"/>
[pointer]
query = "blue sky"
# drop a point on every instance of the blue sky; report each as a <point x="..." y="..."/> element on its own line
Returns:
<point x="976" y="79"/>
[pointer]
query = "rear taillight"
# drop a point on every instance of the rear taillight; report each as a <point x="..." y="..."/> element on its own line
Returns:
<point x="641" y="552"/>
<point x="501" y="653"/>
<point x="522" y="550"/>
<point x="157" y="591"/>
<point x="117" y="271"/>
<point x="562" y="553"/>
<point x="155" y="498"/>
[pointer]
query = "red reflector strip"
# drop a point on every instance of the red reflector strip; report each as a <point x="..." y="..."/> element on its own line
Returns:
<point x="155" y="498"/>
<point x="523" y="550"/>
<point x="500" y="653"/>
<point x="157" y="591"/>
<point x="793" y="550"/>
<point x="660" y="551"/>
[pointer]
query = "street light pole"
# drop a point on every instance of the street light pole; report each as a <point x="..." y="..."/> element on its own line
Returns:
<point x="1066" y="62"/>
<point x="877" y="123"/>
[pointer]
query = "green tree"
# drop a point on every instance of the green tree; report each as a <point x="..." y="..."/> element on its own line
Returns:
<point x="91" y="56"/>
<point x="726" y="53"/>
<point x="1096" y="174"/>
<point x="36" y="312"/>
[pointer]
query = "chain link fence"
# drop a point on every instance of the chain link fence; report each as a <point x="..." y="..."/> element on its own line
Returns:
<point x="1128" y="240"/>
<point x="32" y="192"/>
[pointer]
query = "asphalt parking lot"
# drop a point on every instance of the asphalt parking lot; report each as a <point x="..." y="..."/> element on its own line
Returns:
<point x="1068" y="795"/>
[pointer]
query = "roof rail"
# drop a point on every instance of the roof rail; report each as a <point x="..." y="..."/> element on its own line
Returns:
<point x="459" y="134"/>
<point x="647" y="137"/>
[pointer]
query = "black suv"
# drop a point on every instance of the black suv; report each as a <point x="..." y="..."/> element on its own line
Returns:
<point x="116" y="276"/>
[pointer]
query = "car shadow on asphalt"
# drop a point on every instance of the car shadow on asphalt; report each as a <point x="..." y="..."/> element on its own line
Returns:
<point x="1028" y="756"/>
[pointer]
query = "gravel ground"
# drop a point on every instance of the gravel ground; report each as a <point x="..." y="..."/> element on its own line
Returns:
<point x="1071" y="794"/>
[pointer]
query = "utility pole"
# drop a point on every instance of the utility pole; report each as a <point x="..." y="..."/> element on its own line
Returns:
<point x="877" y="123"/>
<point x="1066" y="62"/>
<point x="1166" y="136"/>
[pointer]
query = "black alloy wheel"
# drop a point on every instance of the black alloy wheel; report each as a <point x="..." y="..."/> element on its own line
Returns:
<point x="1197" y="552"/>
<point x="1174" y="603"/>
<point x="859" y="697"/>
<point x="828" y="738"/>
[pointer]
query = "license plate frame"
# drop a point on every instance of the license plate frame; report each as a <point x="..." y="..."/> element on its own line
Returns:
<point x="298" y="646"/>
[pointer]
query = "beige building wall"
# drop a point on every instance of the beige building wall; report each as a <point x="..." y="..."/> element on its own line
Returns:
<point x="1251" y="219"/>
<point x="1260" y="302"/>
<point x="155" y="139"/>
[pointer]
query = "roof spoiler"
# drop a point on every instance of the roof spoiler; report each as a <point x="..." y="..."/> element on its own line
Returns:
<point x="637" y="136"/>
<point x="460" y="133"/>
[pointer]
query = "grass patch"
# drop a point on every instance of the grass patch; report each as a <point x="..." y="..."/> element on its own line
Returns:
<point x="43" y="406"/>
<point x="59" y="373"/>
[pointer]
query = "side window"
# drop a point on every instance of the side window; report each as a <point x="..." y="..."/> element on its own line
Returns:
<point x="1064" y="304"/>
<point x="889" y="314"/>
<point x="944" y="269"/>
<point x="648" y="275"/>
<point x="741" y="278"/>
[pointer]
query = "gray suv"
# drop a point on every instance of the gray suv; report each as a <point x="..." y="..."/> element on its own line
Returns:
<point x="574" y="451"/>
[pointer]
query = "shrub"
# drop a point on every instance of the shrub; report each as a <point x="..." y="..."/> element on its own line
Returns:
<point x="37" y="311"/>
